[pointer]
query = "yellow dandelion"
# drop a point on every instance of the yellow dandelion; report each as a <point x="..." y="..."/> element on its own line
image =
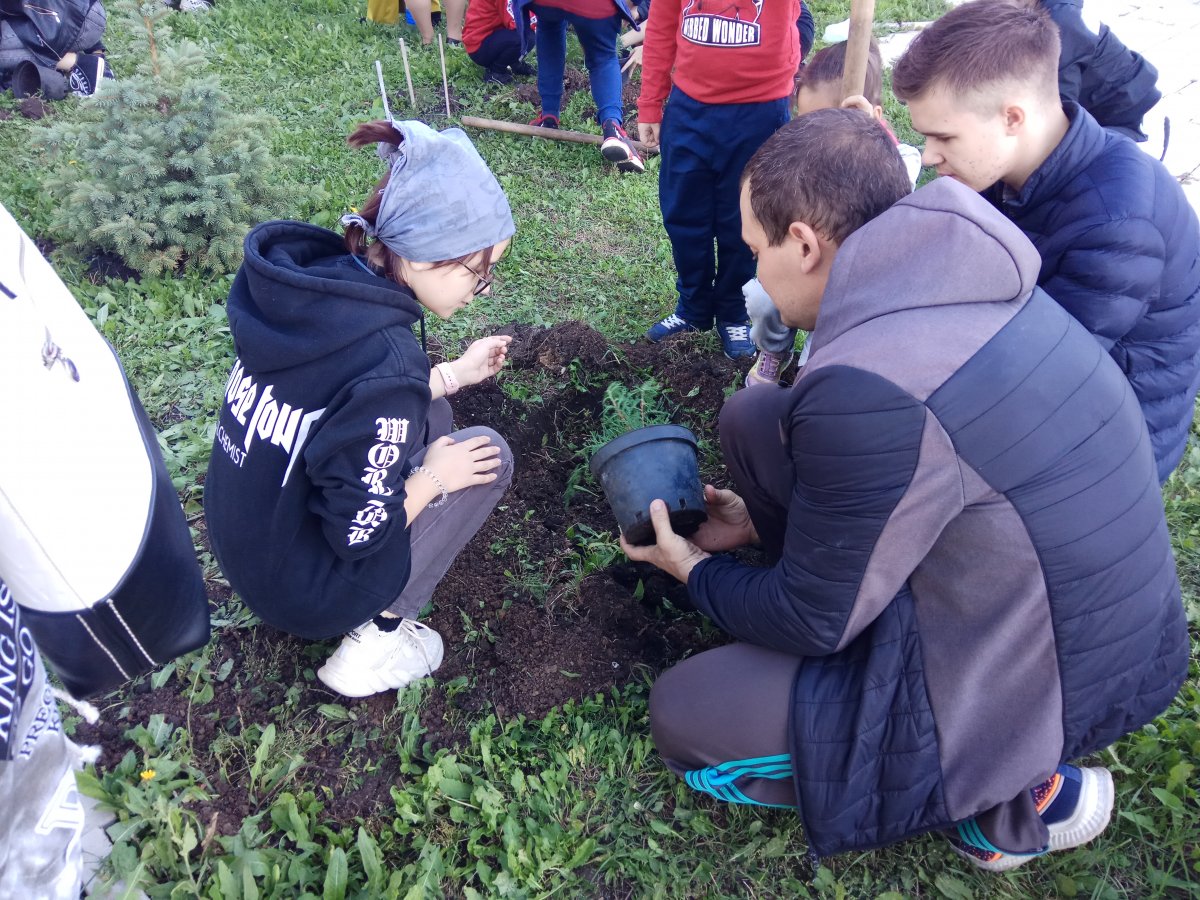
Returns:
<point x="354" y="209"/>
<point x="148" y="774"/>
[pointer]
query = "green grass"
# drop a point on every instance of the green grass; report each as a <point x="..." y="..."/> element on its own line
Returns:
<point x="576" y="803"/>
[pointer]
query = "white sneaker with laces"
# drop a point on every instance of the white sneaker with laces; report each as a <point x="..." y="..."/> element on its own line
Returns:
<point x="369" y="660"/>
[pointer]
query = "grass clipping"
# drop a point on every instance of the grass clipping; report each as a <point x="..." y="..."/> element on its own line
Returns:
<point x="157" y="168"/>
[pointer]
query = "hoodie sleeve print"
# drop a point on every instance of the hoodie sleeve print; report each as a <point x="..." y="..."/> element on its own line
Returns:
<point x="876" y="482"/>
<point x="358" y="459"/>
<point x="1108" y="276"/>
<point x="658" y="59"/>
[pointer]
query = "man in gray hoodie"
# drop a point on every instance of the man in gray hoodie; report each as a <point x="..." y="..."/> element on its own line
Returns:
<point x="971" y="579"/>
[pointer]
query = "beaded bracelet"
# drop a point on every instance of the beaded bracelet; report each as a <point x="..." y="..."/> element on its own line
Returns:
<point x="448" y="378"/>
<point x="437" y="481"/>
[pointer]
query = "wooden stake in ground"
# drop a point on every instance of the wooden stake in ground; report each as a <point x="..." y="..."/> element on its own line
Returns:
<point x="858" y="44"/>
<point x="550" y="134"/>
<point x="445" y="83"/>
<point x="412" y="96"/>
<point x="387" y="110"/>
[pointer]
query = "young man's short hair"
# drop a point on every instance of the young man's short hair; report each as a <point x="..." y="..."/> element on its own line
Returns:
<point x="978" y="47"/>
<point x="833" y="169"/>
<point x="829" y="65"/>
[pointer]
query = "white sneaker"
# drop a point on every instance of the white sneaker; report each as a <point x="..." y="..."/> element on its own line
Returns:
<point x="369" y="660"/>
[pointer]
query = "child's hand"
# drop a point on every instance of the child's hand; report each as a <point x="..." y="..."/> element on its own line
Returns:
<point x="460" y="464"/>
<point x="648" y="133"/>
<point x="634" y="62"/>
<point x="859" y="102"/>
<point x="728" y="525"/>
<point x="483" y="359"/>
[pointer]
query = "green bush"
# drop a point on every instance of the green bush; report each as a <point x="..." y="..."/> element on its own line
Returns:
<point x="158" y="167"/>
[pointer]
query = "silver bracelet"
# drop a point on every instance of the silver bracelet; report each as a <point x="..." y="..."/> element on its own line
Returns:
<point x="437" y="481"/>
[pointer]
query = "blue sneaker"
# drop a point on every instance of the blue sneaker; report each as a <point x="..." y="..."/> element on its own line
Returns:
<point x="672" y="324"/>
<point x="735" y="339"/>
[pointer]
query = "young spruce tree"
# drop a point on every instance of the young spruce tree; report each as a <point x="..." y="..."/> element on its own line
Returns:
<point x="158" y="168"/>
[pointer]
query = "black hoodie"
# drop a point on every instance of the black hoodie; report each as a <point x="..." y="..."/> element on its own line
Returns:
<point x="325" y="403"/>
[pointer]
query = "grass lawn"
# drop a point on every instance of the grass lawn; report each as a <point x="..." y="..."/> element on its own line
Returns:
<point x="575" y="803"/>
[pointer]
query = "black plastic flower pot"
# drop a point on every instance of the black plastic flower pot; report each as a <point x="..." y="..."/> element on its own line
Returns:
<point x="653" y="463"/>
<point x="29" y="79"/>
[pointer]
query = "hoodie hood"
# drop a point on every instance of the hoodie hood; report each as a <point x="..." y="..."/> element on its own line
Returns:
<point x="300" y="296"/>
<point x="919" y="254"/>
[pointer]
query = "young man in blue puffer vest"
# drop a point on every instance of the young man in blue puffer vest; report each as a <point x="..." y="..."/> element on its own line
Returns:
<point x="1120" y="246"/>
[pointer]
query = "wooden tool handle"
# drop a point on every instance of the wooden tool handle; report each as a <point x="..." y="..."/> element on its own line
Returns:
<point x="552" y="134"/>
<point x="858" y="44"/>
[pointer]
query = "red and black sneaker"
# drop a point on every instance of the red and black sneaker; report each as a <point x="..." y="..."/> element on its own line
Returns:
<point x="545" y="120"/>
<point x="618" y="148"/>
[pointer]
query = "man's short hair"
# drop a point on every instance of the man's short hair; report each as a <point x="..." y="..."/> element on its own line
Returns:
<point x="829" y="65"/>
<point x="977" y="48"/>
<point x="833" y="169"/>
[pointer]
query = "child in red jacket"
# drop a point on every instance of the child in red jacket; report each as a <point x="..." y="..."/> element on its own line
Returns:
<point x="728" y="66"/>
<point x="493" y="40"/>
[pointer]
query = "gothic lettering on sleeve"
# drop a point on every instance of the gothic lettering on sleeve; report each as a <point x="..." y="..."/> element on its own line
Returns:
<point x="382" y="455"/>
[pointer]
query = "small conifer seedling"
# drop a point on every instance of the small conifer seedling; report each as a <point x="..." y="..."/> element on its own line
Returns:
<point x="158" y="168"/>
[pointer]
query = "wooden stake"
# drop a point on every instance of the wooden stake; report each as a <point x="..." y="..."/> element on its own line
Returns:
<point x="858" y="47"/>
<point x="412" y="97"/>
<point x="387" y="109"/>
<point x="445" y="83"/>
<point x="550" y="134"/>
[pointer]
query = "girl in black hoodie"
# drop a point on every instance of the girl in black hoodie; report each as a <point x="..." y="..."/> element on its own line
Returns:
<point x="338" y="494"/>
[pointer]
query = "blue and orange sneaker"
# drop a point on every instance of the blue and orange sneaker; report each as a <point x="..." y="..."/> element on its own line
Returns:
<point x="545" y="120"/>
<point x="1076" y="805"/>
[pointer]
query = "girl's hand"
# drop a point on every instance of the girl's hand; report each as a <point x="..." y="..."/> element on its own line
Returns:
<point x="483" y="359"/>
<point x="460" y="464"/>
<point x="728" y="525"/>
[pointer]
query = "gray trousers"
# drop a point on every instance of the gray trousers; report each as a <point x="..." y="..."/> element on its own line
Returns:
<point x="13" y="52"/>
<point x="439" y="533"/>
<point x="720" y="722"/>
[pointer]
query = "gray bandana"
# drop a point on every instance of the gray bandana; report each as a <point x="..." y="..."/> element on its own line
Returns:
<point x="441" y="202"/>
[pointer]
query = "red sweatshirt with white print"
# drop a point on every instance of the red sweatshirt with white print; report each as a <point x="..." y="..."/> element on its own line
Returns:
<point x="720" y="51"/>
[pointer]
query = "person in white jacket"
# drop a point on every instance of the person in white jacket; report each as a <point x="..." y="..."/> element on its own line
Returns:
<point x="97" y="568"/>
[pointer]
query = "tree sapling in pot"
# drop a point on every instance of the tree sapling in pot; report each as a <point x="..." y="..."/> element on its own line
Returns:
<point x="639" y="457"/>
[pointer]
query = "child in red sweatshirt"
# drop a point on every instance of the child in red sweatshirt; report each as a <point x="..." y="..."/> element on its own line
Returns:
<point x="732" y="64"/>
<point x="494" y="40"/>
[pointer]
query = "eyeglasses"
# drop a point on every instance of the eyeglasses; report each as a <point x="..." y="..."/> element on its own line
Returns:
<point x="485" y="280"/>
